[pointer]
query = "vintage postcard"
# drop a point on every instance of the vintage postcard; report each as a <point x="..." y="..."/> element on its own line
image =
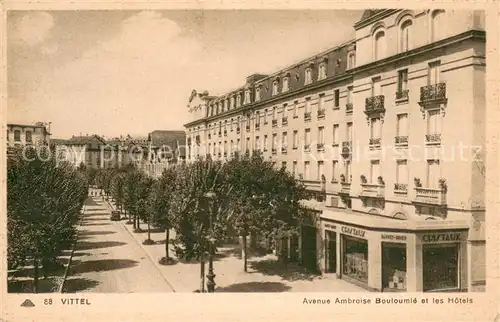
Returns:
<point x="298" y="161"/>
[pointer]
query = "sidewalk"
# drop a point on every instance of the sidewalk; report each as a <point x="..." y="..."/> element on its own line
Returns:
<point x="264" y="273"/>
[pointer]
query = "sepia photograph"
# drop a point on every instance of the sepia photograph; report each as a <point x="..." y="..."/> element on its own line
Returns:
<point x="212" y="151"/>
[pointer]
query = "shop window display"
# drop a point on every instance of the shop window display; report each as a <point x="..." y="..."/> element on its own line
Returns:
<point x="393" y="267"/>
<point x="440" y="267"/>
<point x="355" y="259"/>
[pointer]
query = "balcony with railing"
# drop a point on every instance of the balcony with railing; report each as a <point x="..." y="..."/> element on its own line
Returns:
<point x="345" y="188"/>
<point x="283" y="150"/>
<point x="372" y="190"/>
<point x="321" y="113"/>
<point x="431" y="196"/>
<point x="431" y="94"/>
<point x="433" y="139"/>
<point x="375" y="104"/>
<point x="400" y="189"/>
<point x="284" y="120"/>
<point x="307" y="116"/>
<point x="314" y="185"/>
<point x="374" y="143"/>
<point x="346" y="148"/>
<point x="307" y="148"/>
<point x="402" y="95"/>
<point x="320" y="147"/>
<point x="401" y="141"/>
<point x="275" y="123"/>
<point x="349" y="109"/>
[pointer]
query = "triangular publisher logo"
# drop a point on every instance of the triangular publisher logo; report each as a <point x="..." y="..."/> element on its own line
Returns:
<point x="27" y="303"/>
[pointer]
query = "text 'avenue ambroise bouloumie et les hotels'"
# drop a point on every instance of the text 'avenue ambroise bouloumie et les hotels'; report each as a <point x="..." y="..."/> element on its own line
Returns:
<point x="371" y="128"/>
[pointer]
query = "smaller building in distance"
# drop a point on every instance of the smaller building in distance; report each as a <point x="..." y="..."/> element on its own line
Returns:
<point x="27" y="134"/>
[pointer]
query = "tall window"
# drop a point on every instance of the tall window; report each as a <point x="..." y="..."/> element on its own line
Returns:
<point x="433" y="173"/>
<point x="294" y="168"/>
<point x="275" y="87"/>
<point x="295" y="109"/>
<point x="335" y="138"/>
<point x="374" y="170"/>
<point x="434" y="122"/>
<point x="320" y="170"/>
<point x="307" y="107"/>
<point x="257" y="94"/>
<point x="284" y="139"/>
<point x="321" y="134"/>
<point x="379" y="45"/>
<point x="307" y="137"/>
<point x="226" y="102"/>
<point x="275" y="141"/>
<point x="334" y="170"/>
<point x="295" y="139"/>
<point x="285" y="84"/>
<point x="274" y="113"/>
<point x="232" y="102"/>
<point x="257" y="143"/>
<point x="375" y="128"/>
<point x="308" y="76"/>
<point x="437" y="25"/>
<point x="434" y="72"/>
<point x="247" y="144"/>
<point x="29" y="138"/>
<point x="349" y="94"/>
<point x="405" y="43"/>
<point x="17" y="135"/>
<point x="238" y="100"/>
<point x="321" y="101"/>
<point x="402" y="80"/>
<point x="265" y="142"/>
<point x="257" y="117"/>
<point x="306" y="170"/>
<point x="238" y="145"/>
<point x="402" y="172"/>
<point x="349" y="131"/>
<point x="402" y="125"/>
<point x="337" y="98"/>
<point x="376" y="86"/>
<point x="347" y="170"/>
<point x="322" y="71"/>
<point x="285" y="112"/>
<point x="265" y="116"/>
<point x="283" y="165"/>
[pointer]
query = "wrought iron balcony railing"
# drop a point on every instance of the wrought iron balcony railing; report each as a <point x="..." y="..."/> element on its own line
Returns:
<point x="283" y="149"/>
<point x="375" y="104"/>
<point x="320" y="146"/>
<point x="248" y="128"/>
<point x="349" y="108"/>
<point x="402" y="95"/>
<point x="275" y="123"/>
<point x="307" y="147"/>
<point x="401" y="140"/>
<point x="257" y="126"/>
<point x="433" y="139"/>
<point x="238" y="130"/>
<point x="307" y="116"/>
<point x="401" y="188"/>
<point x="434" y="92"/>
<point x="284" y="120"/>
<point x="321" y="113"/>
<point x="273" y="151"/>
<point x="375" y="143"/>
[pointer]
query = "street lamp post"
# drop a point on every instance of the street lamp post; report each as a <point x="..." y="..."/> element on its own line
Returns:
<point x="210" y="276"/>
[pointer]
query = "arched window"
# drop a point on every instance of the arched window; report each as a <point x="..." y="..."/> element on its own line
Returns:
<point x="322" y="71"/>
<point x="285" y="84"/>
<point x="405" y="40"/>
<point x="379" y="50"/>
<point x="275" y="87"/>
<point x="257" y="93"/>
<point x="308" y="76"/>
<point x="437" y="25"/>
<point x="351" y="61"/>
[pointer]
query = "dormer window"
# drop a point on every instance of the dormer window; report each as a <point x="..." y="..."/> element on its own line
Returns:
<point x="405" y="34"/>
<point x="308" y="76"/>
<point x="285" y="86"/>
<point x="379" y="44"/>
<point x="247" y="96"/>
<point x="257" y="93"/>
<point x="322" y="71"/>
<point x="238" y="100"/>
<point x="226" y="102"/>
<point x="232" y="102"/>
<point x="351" y="60"/>
<point x="275" y="87"/>
<point x="437" y="25"/>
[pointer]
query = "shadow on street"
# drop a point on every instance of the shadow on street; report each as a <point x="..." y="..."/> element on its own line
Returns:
<point x="93" y="233"/>
<point x="255" y="287"/>
<point x="291" y="272"/>
<point x="79" y="284"/>
<point x="103" y="244"/>
<point x="79" y="267"/>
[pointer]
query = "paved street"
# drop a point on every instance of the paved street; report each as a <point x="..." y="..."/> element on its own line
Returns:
<point x="108" y="259"/>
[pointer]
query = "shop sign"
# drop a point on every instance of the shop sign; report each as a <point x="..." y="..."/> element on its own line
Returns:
<point x="441" y="238"/>
<point x="393" y="237"/>
<point x="353" y="231"/>
<point x="330" y="226"/>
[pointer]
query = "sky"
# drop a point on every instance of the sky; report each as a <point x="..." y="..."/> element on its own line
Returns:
<point x="131" y="72"/>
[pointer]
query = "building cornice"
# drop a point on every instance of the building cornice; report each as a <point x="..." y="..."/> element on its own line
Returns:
<point x="375" y="17"/>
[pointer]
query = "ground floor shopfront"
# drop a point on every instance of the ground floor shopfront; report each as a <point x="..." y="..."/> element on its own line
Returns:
<point x="390" y="255"/>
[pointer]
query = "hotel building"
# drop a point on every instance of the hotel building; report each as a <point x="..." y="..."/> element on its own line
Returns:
<point x="389" y="130"/>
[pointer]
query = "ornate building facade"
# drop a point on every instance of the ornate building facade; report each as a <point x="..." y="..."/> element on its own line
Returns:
<point x="389" y="130"/>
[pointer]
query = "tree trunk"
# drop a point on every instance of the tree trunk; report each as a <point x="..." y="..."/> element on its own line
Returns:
<point x="138" y="223"/>
<point x="45" y="267"/>
<point x="244" y="253"/>
<point x="135" y="221"/>
<point x="35" y="275"/>
<point x="167" y="238"/>
<point x="202" y="273"/>
<point x="149" y="230"/>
